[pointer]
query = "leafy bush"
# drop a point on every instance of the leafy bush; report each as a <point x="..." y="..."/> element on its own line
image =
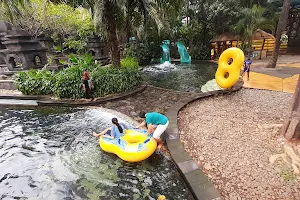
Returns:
<point x="129" y="62"/>
<point x="200" y="52"/>
<point x="130" y="50"/>
<point x="67" y="82"/>
<point x="115" y="80"/>
<point x="76" y="44"/>
<point x="145" y="54"/>
<point x="36" y="82"/>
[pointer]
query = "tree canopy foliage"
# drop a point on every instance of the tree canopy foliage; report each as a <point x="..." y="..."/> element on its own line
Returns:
<point x="194" y="22"/>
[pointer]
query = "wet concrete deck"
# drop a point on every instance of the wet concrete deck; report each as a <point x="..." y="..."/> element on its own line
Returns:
<point x="18" y="102"/>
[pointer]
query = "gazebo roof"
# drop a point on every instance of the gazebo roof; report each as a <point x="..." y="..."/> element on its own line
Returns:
<point x="260" y="35"/>
<point x="225" y="37"/>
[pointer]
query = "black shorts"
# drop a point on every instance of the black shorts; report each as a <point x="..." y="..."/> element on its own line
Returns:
<point x="246" y="69"/>
<point x="86" y="84"/>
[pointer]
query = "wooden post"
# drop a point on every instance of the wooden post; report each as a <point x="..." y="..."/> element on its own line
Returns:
<point x="291" y="126"/>
<point x="262" y="48"/>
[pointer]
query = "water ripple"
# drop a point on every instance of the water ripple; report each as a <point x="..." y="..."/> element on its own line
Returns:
<point x="50" y="154"/>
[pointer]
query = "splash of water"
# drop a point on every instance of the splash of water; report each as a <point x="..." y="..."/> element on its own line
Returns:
<point x="161" y="68"/>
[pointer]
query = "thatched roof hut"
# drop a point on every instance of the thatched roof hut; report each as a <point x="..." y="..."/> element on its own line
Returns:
<point x="260" y="35"/>
<point x="225" y="37"/>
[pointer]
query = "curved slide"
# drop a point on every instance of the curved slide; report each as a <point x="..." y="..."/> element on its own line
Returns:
<point x="184" y="55"/>
<point x="166" y="52"/>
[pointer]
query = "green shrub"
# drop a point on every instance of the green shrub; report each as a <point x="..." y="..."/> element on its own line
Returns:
<point x="200" y="52"/>
<point x="129" y="62"/>
<point x="36" y="82"/>
<point x="146" y="53"/>
<point x="67" y="82"/>
<point x="114" y="80"/>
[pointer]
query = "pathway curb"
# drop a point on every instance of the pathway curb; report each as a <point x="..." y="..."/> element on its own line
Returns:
<point x="45" y="100"/>
<point x="197" y="181"/>
<point x="73" y="103"/>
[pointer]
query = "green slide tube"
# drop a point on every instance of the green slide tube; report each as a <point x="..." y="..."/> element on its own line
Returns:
<point x="184" y="55"/>
<point x="165" y="52"/>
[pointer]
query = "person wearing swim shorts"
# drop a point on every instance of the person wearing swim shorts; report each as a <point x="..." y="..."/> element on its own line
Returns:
<point x="156" y="124"/>
<point x="247" y="65"/>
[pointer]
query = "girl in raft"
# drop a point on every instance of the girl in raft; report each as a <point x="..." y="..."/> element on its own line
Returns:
<point x="113" y="132"/>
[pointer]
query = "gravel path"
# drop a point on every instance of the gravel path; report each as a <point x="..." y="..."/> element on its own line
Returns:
<point x="151" y="99"/>
<point x="228" y="138"/>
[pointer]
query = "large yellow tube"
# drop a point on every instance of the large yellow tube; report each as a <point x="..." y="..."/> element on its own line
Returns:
<point x="227" y="75"/>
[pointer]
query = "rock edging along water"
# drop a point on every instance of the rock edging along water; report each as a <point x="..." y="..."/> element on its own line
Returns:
<point x="71" y="103"/>
<point x="195" y="178"/>
<point x="46" y="101"/>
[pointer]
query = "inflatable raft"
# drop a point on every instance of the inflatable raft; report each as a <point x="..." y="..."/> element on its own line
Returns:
<point x="134" y="146"/>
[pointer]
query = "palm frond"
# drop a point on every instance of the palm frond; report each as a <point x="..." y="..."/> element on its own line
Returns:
<point x="98" y="18"/>
<point x="12" y="7"/>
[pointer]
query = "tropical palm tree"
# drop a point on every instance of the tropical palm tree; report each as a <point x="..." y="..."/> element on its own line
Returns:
<point x="110" y="16"/>
<point x="12" y="7"/>
<point x="253" y="19"/>
<point x="109" y="13"/>
<point x="280" y="28"/>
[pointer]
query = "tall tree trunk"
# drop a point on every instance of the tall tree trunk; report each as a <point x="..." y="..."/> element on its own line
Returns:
<point x="129" y="12"/>
<point x="280" y="28"/>
<point x="291" y="127"/>
<point x="110" y="16"/>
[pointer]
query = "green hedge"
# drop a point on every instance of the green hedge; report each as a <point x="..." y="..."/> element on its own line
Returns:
<point x="67" y="82"/>
<point x="129" y="62"/>
<point x="36" y="82"/>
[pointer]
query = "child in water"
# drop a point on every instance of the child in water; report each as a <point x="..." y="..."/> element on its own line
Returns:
<point x="113" y="132"/>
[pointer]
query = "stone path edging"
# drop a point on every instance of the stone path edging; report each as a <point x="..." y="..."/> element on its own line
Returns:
<point x="195" y="178"/>
<point x="45" y="101"/>
<point x="24" y="97"/>
<point x="73" y="103"/>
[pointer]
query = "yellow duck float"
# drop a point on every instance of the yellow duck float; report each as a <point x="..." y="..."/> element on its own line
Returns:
<point x="134" y="146"/>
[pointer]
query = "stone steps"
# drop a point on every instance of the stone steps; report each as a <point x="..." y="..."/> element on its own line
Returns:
<point x="8" y="84"/>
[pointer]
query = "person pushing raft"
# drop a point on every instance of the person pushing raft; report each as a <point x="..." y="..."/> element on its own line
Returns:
<point x="156" y="124"/>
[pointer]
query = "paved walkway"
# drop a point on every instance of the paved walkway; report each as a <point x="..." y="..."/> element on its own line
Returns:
<point x="284" y="78"/>
<point x="18" y="102"/>
<point x="283" y="61"/>
<point x="279" y="79"/>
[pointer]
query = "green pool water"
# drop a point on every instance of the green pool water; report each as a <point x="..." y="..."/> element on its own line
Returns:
<point x="188" y="78"/>
<point x="50" y="154"/>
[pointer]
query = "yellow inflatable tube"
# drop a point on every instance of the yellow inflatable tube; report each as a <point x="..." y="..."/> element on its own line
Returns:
<point x="134" y="146"/>
<point x="227" y="75"/>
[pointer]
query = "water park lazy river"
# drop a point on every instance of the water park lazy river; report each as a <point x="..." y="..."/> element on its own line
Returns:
<point x="57" y="159"/>
<point x="149" y="100"/>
